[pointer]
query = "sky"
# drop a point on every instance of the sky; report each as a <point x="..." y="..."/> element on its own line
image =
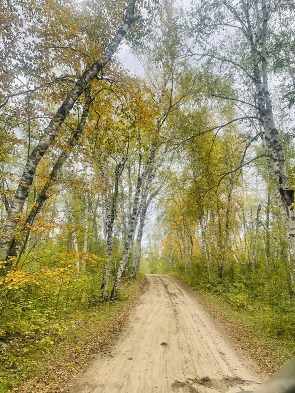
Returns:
<point x="130" y="61"/>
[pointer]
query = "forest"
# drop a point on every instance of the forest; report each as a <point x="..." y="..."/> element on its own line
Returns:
<point x="183" y="165"/>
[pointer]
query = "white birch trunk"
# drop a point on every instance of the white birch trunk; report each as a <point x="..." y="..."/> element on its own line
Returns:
<point x="273" y="146"/>
<point x="146" y="176"/>
<point x="255" y="246"/>
<point x="143" y="212"/>
<point x="205" y="247"/>
<point x="272" y="140"/>
<point x="137" y="253"/>
<point x="73" y="236"/>
<point x="42" y="197"/>
<point x="76" y="249"/>
<point x="129" y="239"/>
<point x="8" y="240"/>
<point x="111" y="213"/>
<point x="85" y="237"/>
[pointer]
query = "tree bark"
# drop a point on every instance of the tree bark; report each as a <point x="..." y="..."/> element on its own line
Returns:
<point x="111" y="212"/>
<point x="129" y="239"/>
<point x="145" y="176"/>
<point x="255" y="245"/>
<point x="204" y="242"/>
<point x="8" y="241"/>
<point x="256" y="32"/>
<point x="138" y="244"/>
<point x="273" y="144"/>
<point x="145" y="205"/>
<point x="43" y="195"/>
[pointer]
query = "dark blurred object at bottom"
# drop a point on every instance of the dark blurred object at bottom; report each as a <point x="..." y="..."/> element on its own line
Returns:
<point x="283" y="381"/>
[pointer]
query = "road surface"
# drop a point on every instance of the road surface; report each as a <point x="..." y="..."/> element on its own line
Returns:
<point x="170" y="345"/>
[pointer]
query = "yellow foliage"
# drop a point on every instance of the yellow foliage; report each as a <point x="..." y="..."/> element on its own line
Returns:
<point x="16" y="279"/>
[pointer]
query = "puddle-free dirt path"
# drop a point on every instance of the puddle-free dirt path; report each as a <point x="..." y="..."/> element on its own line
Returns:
<point x="170" y="345"/>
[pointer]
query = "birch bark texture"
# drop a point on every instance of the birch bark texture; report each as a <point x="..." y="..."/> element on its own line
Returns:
<point x="272" y="141"/>
<point x="111" y="214"/>
<point x="144" y="178"/>
<point x="8" y="244"/>
<point x="146" y="201"/>
<point x="43" y="194"/>
<point x="250" y="28"/>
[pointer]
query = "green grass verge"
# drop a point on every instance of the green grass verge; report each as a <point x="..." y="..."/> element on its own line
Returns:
<point x="266" y="333"/>
<point x="48" y="363"/>
<point x="253" y="331"/>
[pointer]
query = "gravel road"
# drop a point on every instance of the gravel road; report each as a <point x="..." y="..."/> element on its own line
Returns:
<point x="170" y="344"/>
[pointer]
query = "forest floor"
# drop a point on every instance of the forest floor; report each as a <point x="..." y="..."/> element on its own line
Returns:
<point x="170" y="344"/>
<point x="28" y="367"/>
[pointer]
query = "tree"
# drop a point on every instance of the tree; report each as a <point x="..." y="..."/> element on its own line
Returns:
<point x="9" y="238"/>
<point x="251" y="29"/>
<point x="201" y="212"/>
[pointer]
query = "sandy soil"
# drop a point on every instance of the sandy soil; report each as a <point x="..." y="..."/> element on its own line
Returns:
<point x="172" y="345"/>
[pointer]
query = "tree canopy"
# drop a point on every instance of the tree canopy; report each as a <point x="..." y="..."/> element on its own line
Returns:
<point x="188" y="168"/>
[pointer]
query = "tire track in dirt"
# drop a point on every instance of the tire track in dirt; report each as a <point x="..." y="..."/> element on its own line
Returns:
<point x="170" y="344"/>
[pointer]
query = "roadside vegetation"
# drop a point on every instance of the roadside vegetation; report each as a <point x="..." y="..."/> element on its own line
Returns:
<point x="53" y="334"/>
<point x="202" y="136"/>
<point x="232" y="248"/>
<point x="258" y="313"/>
<point x="264" y="329"/>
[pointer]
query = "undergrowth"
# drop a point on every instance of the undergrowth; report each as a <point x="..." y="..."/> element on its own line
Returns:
<point x="261" y="317"/>
<point x="45" y="341"/>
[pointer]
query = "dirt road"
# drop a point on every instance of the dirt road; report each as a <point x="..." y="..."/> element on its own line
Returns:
<point x="170" y="345"/>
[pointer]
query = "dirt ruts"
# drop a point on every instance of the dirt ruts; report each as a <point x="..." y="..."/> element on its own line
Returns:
<point x="170" y="344"/>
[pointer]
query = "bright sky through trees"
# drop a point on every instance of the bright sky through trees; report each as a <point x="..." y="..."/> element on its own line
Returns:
<point x="196" y="138"/>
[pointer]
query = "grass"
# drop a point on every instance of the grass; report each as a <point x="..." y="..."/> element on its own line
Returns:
<point x="266" y="333"/>
<point x="47" y="359"/>
<point x="46" y="363"/>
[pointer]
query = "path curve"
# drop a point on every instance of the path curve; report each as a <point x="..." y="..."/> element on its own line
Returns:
<point x="170" y="344"/>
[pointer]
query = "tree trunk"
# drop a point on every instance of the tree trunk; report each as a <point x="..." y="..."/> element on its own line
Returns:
<point x="93" y="211"/>
<point x="205" y="247"/>
<point x="137" y="254"/>
<point x="145" y="205"/>
<point x="76" y="249"/>
<point x="255" y="246"/>
<point x="8" y="241"/>
<point x="129" y="239"/>
<point x="111" y="212"/>
<point x="72" y="234"/>
<point x="86" y="230"/>
<point x="143" y="179"/>
<point x="42" y="197"/>
<point x="273" y="145"/>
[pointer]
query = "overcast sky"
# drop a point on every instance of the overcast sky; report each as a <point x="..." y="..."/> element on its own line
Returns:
<point x="129" y="61"/>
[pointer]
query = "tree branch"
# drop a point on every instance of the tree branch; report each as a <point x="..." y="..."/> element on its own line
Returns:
<point x="214" y="128"/>
<point x="50" y="132"/>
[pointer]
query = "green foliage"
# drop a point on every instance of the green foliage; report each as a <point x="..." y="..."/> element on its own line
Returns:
<point x="42" y="310"/>
<point x="264" y="295"/>
<point x="37" y="303"/>
<point x="214" y="237"/>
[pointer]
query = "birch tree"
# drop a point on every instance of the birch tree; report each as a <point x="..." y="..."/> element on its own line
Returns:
<point x="143" y="172"/>
<point x="240" y="36"/>
<point x="9" y="235"/>
<point x="147" y="199"/>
